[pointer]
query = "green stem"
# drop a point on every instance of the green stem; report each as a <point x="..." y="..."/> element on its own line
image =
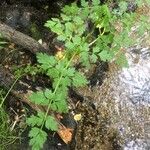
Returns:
<point x="93" y="41"/>
<point x="97" y="38"/>
<point x="58" y="83"/>
<point x="3" y="99"/>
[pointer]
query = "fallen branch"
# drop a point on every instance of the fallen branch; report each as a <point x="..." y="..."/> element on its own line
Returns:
<point x="26" y="42"/>
<point x="21" y="39"/>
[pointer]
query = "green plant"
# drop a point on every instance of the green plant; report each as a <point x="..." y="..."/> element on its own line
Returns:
<point x="76" y="29"/>
<point x="7" y="137"/>
<point x="4" y="98"/>
<point x="2" y="43"/>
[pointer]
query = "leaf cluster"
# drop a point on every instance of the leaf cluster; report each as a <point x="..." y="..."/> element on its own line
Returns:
<point x="76" y="28"/>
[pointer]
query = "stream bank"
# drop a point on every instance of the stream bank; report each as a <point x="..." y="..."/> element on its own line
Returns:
<point x="115" y="113"/>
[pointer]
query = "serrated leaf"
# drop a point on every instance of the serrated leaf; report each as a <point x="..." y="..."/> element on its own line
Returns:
<point x="65" y="17"/>
<point x="50" y="24"/>
<point x="123" y="6"/>
<point x="107" y="39"/>
<point x="45" y="60"/>
<point x="60" y="67"/>
<point x="60" y="103"/>
<point x="139" y="2"/>
<point x="71" y="10"/>
<point x="66" y="10"/>
<point x="85" y="13"/>
<point x="69" y="26"/>
<point x="61" y="37"/>
<point x="95" y="2"/>
<point x="78" y="20"/>
<point x="53" y="73"/>
<point x="69" y="45"/>
<point x="74" y="9"/>
<point x="39" y="98"/>
<point x="61" y="93"/>
<point x="53" y="106"/>
<point x="55" y="25"/>
<point x="41" y="114"/>
<point x="58" y="28"/>
<point x="34" y="132"/>
<point x="84" y="59"/>
<point x="96" y="49"/>
<point x="105" y="55"/>
<point x="65" y="81"/>
<point x="51" y="123"/>
<point x="79" y="80"/>
<point x="76" y="40"/>
<point x="55" y="82"/>
<point x="84" y="56"/>
<point x="80" y="30"/>
<point x="70" y="72"/>
<point x="84" y="47"/>
<point x="34" y="120"/>
<point x="38" y="138"/>
<point x="84" y="3"/>
<point x="48" y="94"/>
<point x="94" y="58"/>
<point x="62" y="106"/>
<point x="56" y="20"/>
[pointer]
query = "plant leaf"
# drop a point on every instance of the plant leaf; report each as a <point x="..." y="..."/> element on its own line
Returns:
<point x="38" y="138"/>
<point x="39" y="98"/>
<point x="34" y="120"/>
<point x="79" y="80"/>
<point x="45" y="60"/>
<point x="105" y="55"/>
<point x="51" y="123"/>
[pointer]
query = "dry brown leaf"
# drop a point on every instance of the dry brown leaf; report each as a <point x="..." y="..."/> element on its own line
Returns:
<point x="12" y="46"/>
<point x="65" y="134"/>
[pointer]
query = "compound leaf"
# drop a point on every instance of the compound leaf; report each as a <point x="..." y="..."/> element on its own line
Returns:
<point x="79" y="80"/>
<point x="51" y="123"/>
<point x="34" y="120"/>
<point x="45" y="60"/>
<point x="39" y="98"/>
<point x="105" y="55"/>
<point x="38" y="138"/>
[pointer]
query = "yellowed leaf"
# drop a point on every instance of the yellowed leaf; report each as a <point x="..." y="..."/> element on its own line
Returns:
<point x="77" y="117"/>
<point x="60" y="55"/>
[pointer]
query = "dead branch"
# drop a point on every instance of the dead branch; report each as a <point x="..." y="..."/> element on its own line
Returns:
<point x="21" y="39"/>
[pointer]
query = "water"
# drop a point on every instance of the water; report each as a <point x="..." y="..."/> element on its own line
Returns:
<point x="128" y="100"/>
<point x="133" y="99"/>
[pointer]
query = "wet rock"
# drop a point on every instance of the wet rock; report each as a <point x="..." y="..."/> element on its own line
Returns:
<point x="128" y="99"/>
<point x="132" y="96"/>
<point x="120" y="119"/>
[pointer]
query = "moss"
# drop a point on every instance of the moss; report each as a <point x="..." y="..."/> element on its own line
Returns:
<point x="35" y="32"/>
